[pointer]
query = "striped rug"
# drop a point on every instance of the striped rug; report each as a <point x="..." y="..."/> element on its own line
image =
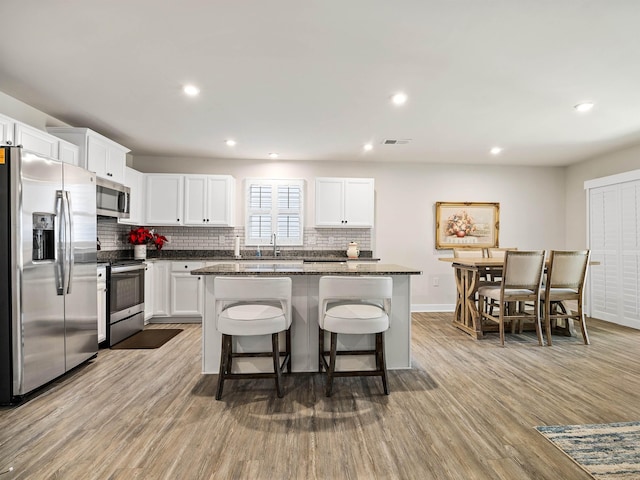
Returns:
<point x="606" y="451"/>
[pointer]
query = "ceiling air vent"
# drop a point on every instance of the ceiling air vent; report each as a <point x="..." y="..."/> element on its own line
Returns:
<point x="396" y="141"/>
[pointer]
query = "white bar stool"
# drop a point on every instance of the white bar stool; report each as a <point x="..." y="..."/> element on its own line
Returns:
<point x="248" y="306"/>
<point x="354" y="305"/>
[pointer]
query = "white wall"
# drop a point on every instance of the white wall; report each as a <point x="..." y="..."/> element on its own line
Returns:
<point x="531" y="205"/>
<point x="18" y="110"/>
<point x="576" y="198"/>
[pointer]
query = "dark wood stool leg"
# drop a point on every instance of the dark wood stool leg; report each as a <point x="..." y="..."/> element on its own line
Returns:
<point x="276" y="363"/>
<point x="332" y="363"/>
<point x="320" y="348"/>
<point x="288" y="348"/>
<point x="224" y="358"/>
<point x="383" y="361"/>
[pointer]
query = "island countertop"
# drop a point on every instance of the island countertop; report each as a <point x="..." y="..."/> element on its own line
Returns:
<point x="283" y="269"/>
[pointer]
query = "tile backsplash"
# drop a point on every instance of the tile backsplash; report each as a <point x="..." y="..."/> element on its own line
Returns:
<point x="113" y="236"/>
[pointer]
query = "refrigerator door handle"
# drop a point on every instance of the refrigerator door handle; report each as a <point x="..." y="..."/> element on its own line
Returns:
<point x="60" y="249"/>
<point x="69" y="239"/>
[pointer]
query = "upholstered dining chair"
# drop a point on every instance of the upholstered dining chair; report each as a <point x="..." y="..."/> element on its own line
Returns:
<point x="354" y="305"/>
<point x="248" y="306"/>
<point x="496" y="252"/>
<point x="565" y="282"/>
<point x="494" y="274"/>
<point x="520" y="285"/>
<point x="468" y="253"/>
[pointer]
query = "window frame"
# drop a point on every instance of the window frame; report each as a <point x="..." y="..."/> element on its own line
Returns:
<point x="274" y="211"/>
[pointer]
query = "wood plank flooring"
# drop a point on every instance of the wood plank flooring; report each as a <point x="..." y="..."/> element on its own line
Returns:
<point x="467" y="410"/>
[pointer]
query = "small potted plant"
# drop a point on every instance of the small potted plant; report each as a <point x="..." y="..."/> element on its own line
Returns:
<point x="141" y="237"/>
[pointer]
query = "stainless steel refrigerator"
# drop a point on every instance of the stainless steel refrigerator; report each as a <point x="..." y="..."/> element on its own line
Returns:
<point x="48" y="286"/>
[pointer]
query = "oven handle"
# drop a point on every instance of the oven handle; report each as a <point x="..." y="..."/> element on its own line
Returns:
<point x="127" y="268"/>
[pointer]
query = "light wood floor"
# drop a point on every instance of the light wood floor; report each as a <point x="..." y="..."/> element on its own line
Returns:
<point x="467" y="410"/>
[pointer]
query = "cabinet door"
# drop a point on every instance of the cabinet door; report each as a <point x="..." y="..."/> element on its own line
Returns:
<point x="220" y="201"/>
<point x="97" y="155"/>
<point x="148" y="291"/>
<point x="116" y="163"/>
<point x="186" y="289"/>
<point x="136" y="182"/>
<point x="195" y="200"/>
<point x="358" y="202"/>
<point x="329" y="202"/>
<point x="164" y="199"/>
<point x="160" y="287"/>
<point x="68" y="153"/>
<point x="36" y="140"/>
<point x="6" y="130"/>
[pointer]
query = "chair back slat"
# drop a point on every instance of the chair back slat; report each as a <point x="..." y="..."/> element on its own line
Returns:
<point x="523" y="269"/>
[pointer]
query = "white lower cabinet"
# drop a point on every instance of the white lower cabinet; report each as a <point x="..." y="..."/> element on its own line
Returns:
<point x="149" y="270"/>
<point x="160" y="287"/>
<point x="186" y="290"/>
<point x="176" y="293"/>
<point x="102" y="303"/>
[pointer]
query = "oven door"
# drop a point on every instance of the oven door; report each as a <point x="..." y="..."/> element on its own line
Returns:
<point x="126" y="291"/>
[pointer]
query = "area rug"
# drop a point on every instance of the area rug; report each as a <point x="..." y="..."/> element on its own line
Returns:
<point x="608" y="451"/>
<point x="152" y="338"/>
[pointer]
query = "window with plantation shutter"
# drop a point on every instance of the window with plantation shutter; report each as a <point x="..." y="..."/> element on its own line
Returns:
<point x="274" y="206"/>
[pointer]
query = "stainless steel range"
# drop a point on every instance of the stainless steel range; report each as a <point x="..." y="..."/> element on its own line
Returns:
<point x="126" y="300"/>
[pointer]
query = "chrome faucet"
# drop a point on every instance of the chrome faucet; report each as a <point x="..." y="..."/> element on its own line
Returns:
<point x="275" y="245"/>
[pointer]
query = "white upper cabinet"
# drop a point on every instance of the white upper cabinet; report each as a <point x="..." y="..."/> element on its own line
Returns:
<point x="13" y="132"/>
<point x="345" y="202"/>
<point x="209" y="200"/>
<point x="164" y="199"/>
<point x="6" y="130"/>
<point x="68" y="152"/>
<point x="98" y="154"/>
<point x="36" y="140"/>
<point x="136" y="182"/>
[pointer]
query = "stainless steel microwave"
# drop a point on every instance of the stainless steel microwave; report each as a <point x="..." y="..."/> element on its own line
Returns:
<point x="112" y="199"/>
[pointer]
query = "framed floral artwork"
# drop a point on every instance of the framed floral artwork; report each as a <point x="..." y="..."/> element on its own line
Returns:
<point x="467" y="225"/>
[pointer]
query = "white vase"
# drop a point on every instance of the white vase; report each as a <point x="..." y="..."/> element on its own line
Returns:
<point x="140" y="252"/>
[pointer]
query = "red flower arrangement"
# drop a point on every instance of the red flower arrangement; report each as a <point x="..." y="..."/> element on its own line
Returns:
<point x="144" y="236"/>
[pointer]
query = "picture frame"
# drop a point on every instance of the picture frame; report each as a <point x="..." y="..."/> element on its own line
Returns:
<point x="467" y="225"/>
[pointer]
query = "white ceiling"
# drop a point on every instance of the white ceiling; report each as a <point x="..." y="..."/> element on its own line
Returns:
<point x="311" y="79"/>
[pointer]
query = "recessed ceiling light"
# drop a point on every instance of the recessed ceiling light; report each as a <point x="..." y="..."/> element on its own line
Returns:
<point x="399" y="98"/>
<point x="230" y="143"/>
<point x="273" y="155"/>
<point x="368" y="147"/>
<point x="496" y="150"/>
<point x="191" y="90"/>
<point x="584" y="107"/>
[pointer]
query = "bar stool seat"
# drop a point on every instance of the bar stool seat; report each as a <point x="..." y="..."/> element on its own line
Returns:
<point x="250" y="306"/>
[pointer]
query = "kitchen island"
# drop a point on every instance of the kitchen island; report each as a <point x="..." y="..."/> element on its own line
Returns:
<point x="304" y="329"/>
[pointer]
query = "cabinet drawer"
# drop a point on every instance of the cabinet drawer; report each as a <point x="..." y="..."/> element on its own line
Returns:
<point x="185" y="266"/>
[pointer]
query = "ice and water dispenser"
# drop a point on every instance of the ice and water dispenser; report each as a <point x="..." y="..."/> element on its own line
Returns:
<point x="43" y="236"/>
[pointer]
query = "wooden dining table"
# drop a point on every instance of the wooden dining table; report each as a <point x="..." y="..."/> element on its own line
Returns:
<point x="470" y="274"/>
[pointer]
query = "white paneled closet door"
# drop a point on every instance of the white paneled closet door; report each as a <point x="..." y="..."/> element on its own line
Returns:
<point x="630" y="227"/>
<point x="604" y="223"/>
<point x="614" y="240"/>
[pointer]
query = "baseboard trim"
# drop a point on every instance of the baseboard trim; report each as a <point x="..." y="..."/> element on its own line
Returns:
<point x="175" y="320"/>
<point x="432" y="307"/>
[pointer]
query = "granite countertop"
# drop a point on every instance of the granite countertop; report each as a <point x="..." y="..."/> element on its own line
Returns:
<point x="246" y="256"/>
<point x="322" y="268"/>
